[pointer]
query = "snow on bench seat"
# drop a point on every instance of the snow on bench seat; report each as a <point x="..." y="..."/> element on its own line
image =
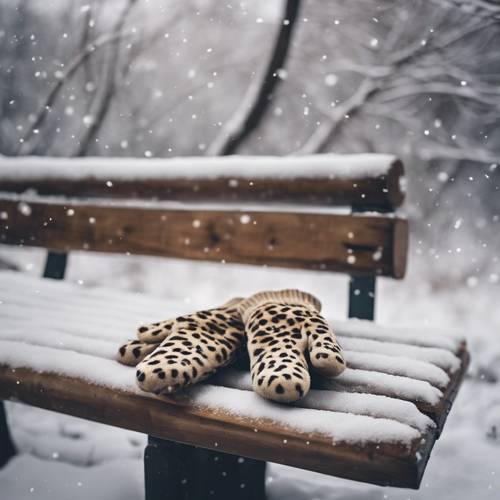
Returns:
<point x="398" y="365"/>
<point x="110" y="318"/>
<point x="374" y="423"/>
<point x="107" y="373"/>
<point x="420" y="336"/>
<point x="435" y="355"/>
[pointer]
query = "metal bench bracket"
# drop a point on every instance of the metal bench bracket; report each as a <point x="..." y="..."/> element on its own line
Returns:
<point x="175" y="471"/>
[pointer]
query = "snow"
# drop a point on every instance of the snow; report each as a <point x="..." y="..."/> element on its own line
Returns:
<point x="95" y="321"/>
<point x="83" y="328"/>
<point x="40" y="435"/>
<point x="119" y="313"/>
<point x="247" y="167"/>
<point x="383" y="383"/>
<point x="26" y="477"/>
<point x="341" y="427"/>
<point x="98" y="371"/>
<point x="465" y="446"/>
<point x="356" y="403"/>
<point x="440" y="357"/>
<point x="398" y="365"/>
<point x="37" y="432"/>
<point x="443" y="338"/>
<point x="91" y="342"/>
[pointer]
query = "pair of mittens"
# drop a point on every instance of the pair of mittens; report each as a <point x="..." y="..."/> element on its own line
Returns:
<point x="173" y="354"/>
<point x="285" y="334"/>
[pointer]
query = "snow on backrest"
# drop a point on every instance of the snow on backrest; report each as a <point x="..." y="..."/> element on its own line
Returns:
<point x="286" y="167"/>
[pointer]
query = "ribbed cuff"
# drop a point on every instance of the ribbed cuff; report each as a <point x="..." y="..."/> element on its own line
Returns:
<point x="290" y="296"/>
<point x="233" y="302"/>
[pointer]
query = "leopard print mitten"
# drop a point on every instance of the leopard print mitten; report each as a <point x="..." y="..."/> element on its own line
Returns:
<point x="134" y="351"/>
<point x="150" y="336"/>
<point x="284" y="331"/>
<point x="185" y="350"/>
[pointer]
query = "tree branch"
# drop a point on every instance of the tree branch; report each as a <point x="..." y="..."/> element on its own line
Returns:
<point x="259" y="96"/>
<point x="110" y="86"/>
<point x="435" y="88"/>
<point x="373" y="85"/>
<point x="48" y="102"/>
<point x="328" y="129"/>
<point x="435" y="150"/>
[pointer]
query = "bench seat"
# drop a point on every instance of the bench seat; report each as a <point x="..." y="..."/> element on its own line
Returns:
<point x="376" y="423"/>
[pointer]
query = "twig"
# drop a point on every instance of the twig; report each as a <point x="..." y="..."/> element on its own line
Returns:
<point x="107" y="97"/>
<point x="67" y="74"/>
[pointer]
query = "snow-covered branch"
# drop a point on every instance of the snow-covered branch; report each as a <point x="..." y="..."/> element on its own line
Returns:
<point x="480" y="8"/>
<point x="62" y="79"/>
<point x="491" y="98"/>
<point x="414" y="67"/>
<point x="326" y="131"/>
<point x="474" y="154"/>
<point x="97" y="119"/>
<point x="260" y="92"/>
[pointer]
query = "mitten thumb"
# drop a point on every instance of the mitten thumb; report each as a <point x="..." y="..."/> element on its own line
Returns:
<point x="325" y="353"/>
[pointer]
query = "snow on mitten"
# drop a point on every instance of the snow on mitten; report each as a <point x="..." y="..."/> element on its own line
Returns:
<point x="194" y="347"/>
<point x="284" y="330"/>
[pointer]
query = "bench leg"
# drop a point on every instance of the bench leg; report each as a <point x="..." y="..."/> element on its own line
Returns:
<point x="55" y="265"/>
<point x="175" y="471"/>
<point x="7" y="448"/>
<point x="362" y="297"/>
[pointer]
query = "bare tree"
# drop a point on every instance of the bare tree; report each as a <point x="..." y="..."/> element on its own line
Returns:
<point x="26" y="147"/>
<point x="261" y="91"/>
<point x="13" y="50"/>
<point x="109" y="86"/>
<point x="401" y="74"/>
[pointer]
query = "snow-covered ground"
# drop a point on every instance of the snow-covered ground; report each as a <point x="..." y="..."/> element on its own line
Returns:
<point x="63" y="457"/>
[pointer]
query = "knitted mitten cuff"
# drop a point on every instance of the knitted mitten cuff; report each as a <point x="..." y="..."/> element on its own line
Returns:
<point x="289" y="296"/>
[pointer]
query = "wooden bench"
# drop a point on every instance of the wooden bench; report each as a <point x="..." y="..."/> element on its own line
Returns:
<point x="376" y="423"/>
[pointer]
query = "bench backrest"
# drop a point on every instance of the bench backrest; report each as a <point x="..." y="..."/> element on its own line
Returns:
<point x="116" y="205"/>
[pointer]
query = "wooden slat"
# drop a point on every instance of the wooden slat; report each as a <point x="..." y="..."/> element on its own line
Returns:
<point x="358" y="245"/>
<point x="172" y="419"/>
<point x="451" y="391"/>
<point x="383" y="463"/>
<point x="437" y="412"/>
<point x="383" y="192"/>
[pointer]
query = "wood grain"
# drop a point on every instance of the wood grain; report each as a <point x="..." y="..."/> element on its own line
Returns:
<point x="385" y="464"/>
<point x="354" y="244"/>
<point x="382" y="193"/>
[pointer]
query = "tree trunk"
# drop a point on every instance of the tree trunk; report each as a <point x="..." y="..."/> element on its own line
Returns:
<point x="256" y="102"/>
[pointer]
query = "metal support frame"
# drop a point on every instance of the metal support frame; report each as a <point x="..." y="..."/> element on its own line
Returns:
<point x="362" y="297"/>
<point x="55" y="265"/>
<point x="362" y="288"/>
<point x="7" y="448"/>
<point x="175" y="471"/>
